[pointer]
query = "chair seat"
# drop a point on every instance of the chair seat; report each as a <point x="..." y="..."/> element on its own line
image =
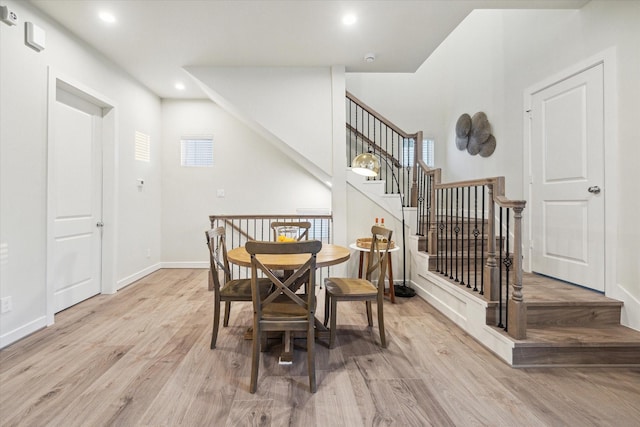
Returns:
<point x="349" y="287"/>
<point x="241" y="288"/>
<point x="283" y="308"/>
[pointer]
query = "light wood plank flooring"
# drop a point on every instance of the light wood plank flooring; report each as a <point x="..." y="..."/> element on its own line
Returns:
<point x="142" y="358"/>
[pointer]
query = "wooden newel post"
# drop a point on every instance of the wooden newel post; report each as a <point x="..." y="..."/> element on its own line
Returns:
<point x="490" y="267"/>
<point x="432" y="233"/>
<point x="517" y="322"/>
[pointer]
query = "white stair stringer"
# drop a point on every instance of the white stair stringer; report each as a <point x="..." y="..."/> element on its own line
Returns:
<point x="375" y="191"/>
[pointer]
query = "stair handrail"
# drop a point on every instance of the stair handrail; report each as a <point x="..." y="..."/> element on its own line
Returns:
<point x="404" y="172"/>
<point x="375" y="147"/>
<point x="379" y="116"/>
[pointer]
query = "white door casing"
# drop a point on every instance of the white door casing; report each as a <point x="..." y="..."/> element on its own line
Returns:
<point x="76" y="195"/>
<point x="567" y="179"/>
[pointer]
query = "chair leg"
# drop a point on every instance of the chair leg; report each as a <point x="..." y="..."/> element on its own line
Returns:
<point x="369" y="314"/>
<point x="327" y="299"/>
<point x="332" y="328"/>
<point x="383" y="338"/>
<point x="216" y="322"/>
<point x="255" y="358"/>
<point x="311" y="361"/>
<point x="227" y="312"/>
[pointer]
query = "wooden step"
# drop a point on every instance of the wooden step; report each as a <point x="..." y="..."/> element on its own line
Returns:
<point x="567" y="325"/>
<point x="575" y="345"/>
<point x="555" y="303"/>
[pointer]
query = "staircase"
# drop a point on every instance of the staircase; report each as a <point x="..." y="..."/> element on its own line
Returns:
<point x="468" y="265"/>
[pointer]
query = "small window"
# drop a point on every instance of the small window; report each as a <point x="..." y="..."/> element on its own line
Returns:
<point x="427" y="152"/>
<point x="143" y="147"/>
<point x="197" y="152"/>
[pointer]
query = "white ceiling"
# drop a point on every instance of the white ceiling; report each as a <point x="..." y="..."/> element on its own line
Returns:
<point x="154" y="39"/>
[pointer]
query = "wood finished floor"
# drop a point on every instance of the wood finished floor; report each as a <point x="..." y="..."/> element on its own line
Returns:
<point x="142" y="358"/>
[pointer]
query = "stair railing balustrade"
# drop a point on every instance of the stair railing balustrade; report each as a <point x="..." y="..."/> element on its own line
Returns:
<point x="475" y="233"/>
<point x="242" y="228"/>
<point x="368" y="130"/>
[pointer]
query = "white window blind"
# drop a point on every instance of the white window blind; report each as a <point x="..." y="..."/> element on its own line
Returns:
<point x="197" y="152"/>
<point x="142" y="147"/>
<point x="408" y="152"/>
<point x="428" y="152"/>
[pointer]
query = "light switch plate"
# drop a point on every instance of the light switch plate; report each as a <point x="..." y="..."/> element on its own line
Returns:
<point x="36" y="37"/>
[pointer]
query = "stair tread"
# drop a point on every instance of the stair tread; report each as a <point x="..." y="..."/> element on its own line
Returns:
<point x="541" y="290"/>
<point x="580" y="336"/>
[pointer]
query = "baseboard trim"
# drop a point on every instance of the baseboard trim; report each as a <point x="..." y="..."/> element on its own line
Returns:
<point x="186" y="264"/>
<point x="137" y="276"/>
<point x="630" y="309"/>
<point x="23" y="331"/>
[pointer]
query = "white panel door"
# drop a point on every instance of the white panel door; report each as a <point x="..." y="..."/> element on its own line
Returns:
<point x="567" y="155"/>
<point x="76" y="193"/>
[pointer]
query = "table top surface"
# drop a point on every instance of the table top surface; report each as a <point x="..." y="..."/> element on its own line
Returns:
<point x="328" y="255"/>
<point x="358" y="248"/>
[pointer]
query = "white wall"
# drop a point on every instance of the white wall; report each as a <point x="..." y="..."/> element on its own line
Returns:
<point x="23" y="161"/>
<point x="292" y="105"/>
<point x="256" y="179"/>
<point x="486" y="64"/>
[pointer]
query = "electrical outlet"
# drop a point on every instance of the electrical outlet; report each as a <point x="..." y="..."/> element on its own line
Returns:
<point x="148" y="253"/>
<point x="6" y="305"/>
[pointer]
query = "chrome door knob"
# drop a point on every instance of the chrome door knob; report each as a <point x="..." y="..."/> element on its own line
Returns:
<point x="100" y="224"/>
<point x="595" y="189"/>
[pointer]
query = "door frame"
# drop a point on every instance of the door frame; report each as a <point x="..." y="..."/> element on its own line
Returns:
<point x="109" y="182"/>
<point x="610" y="189"/>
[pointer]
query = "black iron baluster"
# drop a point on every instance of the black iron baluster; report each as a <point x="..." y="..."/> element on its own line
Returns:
<point x="440" y="197"/>
<point x="450" y="233"/>
<point x="476" y="232"/>
<point x="462" y="253"/>
<point x="446" y="231"/>
<point x="508" y="261"/>
<point x="468" y="237"/>
<point x="500" y="302"/>
<point x="482" y="221"/>
<point x="456" y="230"/>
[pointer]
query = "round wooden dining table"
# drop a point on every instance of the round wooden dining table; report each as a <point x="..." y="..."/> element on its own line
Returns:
<point x="328" y="255"/>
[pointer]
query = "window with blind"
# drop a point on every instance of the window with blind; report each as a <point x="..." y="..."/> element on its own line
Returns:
<point x="428" y="146"/>
<point x="196" y="152"/>
<point x="408" y="152"/>
<point x="142" y="147"/>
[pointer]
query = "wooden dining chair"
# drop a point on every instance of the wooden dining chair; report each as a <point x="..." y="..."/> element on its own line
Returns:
<point x="228" y="289"/>
<point x="300" y="229"/>
<point x="281" y="308"/>
<point x="366" y="289"/>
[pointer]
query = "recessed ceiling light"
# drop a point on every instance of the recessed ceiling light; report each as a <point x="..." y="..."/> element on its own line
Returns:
<point x="107" y="17"/>
<point x="180" y="86"/>
<point x="349" y="19"/>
